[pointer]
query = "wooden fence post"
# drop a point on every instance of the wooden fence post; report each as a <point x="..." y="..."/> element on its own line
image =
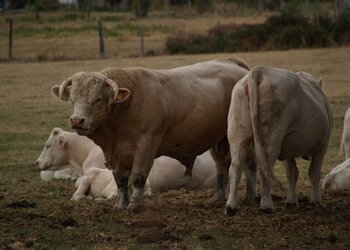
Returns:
<point x="142" y="48"/>
<point x="100" y="33"/>
<point x="10" y="37"/>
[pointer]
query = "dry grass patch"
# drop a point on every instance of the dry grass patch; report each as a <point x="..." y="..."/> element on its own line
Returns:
<point x="39" y="215"/>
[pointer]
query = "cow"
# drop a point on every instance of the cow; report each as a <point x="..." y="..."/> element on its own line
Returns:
<point x="345" y="139"/>
<point x="66" y="150"/>
<point x="166" y="173"/>
<point x="137" y="114"/>
<point x="73" y="155"/>
<point x="277" y="114"/>
<point x="338" y="178"/>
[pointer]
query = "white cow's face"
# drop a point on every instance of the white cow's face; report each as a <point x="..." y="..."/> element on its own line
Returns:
<point x="93" y="97"/>
<point x="54" y="155"/>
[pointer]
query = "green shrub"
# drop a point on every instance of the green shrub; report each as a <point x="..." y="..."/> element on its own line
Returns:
<point x="283" y="31"/>
<point x="47" y="5"/>
<point x="203" y="5"/>
<point x="341" y="29"/>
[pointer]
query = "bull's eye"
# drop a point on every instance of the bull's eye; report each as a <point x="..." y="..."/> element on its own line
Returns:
<point x="48" y="146"/>
<point x="98" y="99"/>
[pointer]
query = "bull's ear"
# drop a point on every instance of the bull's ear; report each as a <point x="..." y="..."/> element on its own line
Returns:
<point x="122" y="95"/>
<point x="61" y="139"/>
<point x="62" y="92"/>
<point x="65" y="95"/>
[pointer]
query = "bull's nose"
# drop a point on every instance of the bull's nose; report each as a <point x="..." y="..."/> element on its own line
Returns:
<point x="76" y="122"/>
<point x="37" y="163"/>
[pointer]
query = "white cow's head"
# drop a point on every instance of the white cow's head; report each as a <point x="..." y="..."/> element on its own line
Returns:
<point x="54" y="155"/>
<point x="93" y="96"/>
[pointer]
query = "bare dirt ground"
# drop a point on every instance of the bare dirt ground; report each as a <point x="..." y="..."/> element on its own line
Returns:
<point x="39" y="215"/>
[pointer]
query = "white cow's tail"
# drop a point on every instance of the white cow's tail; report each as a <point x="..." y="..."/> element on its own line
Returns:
<point x="260" y="155"/>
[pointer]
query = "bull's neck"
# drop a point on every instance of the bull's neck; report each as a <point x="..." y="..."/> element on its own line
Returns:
<point x="106" y="136"/>
<point x="78" y="151"/>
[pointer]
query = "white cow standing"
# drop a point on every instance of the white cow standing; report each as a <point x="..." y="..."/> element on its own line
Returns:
<point x="339" y="178"/>
<point x="284" y="115"/>
<point x="345" y="139"/>
<point x="80" y="154"/>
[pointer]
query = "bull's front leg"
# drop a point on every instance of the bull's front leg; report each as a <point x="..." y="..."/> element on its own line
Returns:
<point x="220" y="154"/>
<point x="142" y="164"/>
<point x="121" y="180"/>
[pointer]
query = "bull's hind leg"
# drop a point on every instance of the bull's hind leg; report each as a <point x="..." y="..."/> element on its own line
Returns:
<point x="292" y="178"/>
<point x="314" y="175"/>
<point x="220" y="154"/>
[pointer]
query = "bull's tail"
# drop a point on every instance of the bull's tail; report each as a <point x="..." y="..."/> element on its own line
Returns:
<point x="260" y="155"/>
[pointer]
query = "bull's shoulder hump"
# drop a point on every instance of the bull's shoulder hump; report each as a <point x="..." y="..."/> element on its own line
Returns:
<point x="241" y="63"/>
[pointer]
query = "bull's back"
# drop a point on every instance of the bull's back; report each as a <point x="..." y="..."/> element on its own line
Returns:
<point x="198" y="102"/>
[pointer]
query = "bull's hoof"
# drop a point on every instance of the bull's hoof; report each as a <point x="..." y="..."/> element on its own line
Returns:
<point x="292" y="204"/>
<point x="268" y="210"/>
<point x="317" y="204"/>
<point x="218" y="198"/>
<point x="134" y="208"/>
<point x="248" y="202"/>
<point x="119" y="207"/>
<point x="230" y="211"/>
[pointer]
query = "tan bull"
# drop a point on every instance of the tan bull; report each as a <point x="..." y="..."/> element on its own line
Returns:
<point x="138" y="114"/>
<point x="277" y="114"/>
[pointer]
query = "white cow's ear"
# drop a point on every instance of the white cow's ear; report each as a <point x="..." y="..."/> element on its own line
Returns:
<point x="123" y="94"/>
<point x="56" y="131"/>
<point x="61" y="139"/>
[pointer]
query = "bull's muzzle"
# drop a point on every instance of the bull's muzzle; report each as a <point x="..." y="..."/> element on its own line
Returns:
<point x="77" y="123"/>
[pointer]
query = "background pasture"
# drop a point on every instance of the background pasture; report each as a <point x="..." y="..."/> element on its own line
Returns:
<point x="39" y="215"/>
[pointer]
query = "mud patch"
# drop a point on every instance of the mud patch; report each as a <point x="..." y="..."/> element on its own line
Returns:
<point x="21" y="204"/>
<point x="69" y="222"/>
<point x="155" y="237"/>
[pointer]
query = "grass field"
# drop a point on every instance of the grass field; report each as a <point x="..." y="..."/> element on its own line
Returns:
<point x="74" y="36"/>
<point x="39" y="215"/>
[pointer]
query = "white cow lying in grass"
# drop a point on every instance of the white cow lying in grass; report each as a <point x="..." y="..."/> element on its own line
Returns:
<point x="345" y="139"/>
<point x="339" y="178"/>
<point x="69" y="150"/>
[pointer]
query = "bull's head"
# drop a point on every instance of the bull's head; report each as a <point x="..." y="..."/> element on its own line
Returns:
<point x="54" y="154"/>
<point x="93" y="96"/>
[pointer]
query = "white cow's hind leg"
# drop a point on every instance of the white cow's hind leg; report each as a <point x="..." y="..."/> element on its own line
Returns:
<point x="292" y="178"/>
<point x="266" y="203"/>
<point x="250" y="180"/>
<point x="235" y="176"/>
